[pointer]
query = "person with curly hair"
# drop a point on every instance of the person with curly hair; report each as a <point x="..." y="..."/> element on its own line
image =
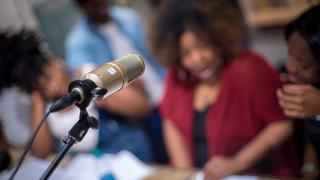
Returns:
<point x="32" y="79"/>
<point x="22" y="68"/>
<point x="300" y="98"/>
<point x="220" y="108"/>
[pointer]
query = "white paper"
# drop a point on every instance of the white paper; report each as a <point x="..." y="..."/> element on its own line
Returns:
<point x="126" y="166"/>
<point x="33" y="168"/>
<point x="123" y="165"/>
<point x="82" y="167"/>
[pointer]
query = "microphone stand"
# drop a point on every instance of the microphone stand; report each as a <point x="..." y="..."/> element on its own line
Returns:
<point x="76" y="134"/>
<point x="82" y="92"/>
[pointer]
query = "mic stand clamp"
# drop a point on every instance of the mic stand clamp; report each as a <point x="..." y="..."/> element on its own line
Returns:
<point x="76" y="134"/>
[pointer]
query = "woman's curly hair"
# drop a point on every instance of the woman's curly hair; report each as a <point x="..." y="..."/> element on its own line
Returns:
<point x="215" y="22"/>
<point x="22" y="59"/>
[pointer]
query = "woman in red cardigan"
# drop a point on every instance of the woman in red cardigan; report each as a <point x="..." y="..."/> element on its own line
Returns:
<point x="220" y="109"/>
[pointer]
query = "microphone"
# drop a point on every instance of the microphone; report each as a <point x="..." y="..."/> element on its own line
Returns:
<point x="101" y="82"/>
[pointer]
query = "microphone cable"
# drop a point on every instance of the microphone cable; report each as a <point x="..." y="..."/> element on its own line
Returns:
<point x="28" y="145"/>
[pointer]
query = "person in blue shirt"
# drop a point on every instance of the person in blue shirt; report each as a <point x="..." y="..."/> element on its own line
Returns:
<point x="103" y="34"/>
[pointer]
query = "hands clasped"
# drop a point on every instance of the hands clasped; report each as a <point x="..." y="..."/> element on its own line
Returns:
<point x="299" y="101"/>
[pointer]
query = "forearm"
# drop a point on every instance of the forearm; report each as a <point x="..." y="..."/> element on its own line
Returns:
<point x="3" y="142"/>
<point x="176" y="147"/>
<point x="310" y="168"/>
<point x="43" y="144"/>
<point x="310" y="155"/>
<point x="271" y="136"/>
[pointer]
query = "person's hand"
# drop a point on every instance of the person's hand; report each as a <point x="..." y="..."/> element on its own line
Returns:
<point x="38" y="106"/>
<point x="38" y="102"/>
<point x="299" y="101"/>
<point x="53" y="83"/>
<point x="220" y="166"/>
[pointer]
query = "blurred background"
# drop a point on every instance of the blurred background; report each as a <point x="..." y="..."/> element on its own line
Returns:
<point x="264" y="18"/>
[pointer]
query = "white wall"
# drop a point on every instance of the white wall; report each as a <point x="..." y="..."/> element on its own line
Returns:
<point x="16" y="14"/>
<point x="270" y="43"/>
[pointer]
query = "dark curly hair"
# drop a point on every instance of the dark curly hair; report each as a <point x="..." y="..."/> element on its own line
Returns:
<point x="22" y="59"/>
<point x="308" y="26"/>
<point x="214" y="22"/>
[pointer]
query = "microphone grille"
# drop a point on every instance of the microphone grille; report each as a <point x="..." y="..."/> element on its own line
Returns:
<point x="132" y="66"/>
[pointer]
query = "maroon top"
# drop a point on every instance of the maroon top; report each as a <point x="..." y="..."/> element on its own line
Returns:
<point x="246" y="104"/>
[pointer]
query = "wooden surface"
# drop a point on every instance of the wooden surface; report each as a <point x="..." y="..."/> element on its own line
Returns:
<point x="163" y="173"/>
<point x="266" y="13"/>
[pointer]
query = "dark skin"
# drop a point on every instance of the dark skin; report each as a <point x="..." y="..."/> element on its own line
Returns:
<point x="302" y="66"/>
<point x="300" y="99"/>
<point x="96" y="11"/>
<point x="54" y="84"/>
